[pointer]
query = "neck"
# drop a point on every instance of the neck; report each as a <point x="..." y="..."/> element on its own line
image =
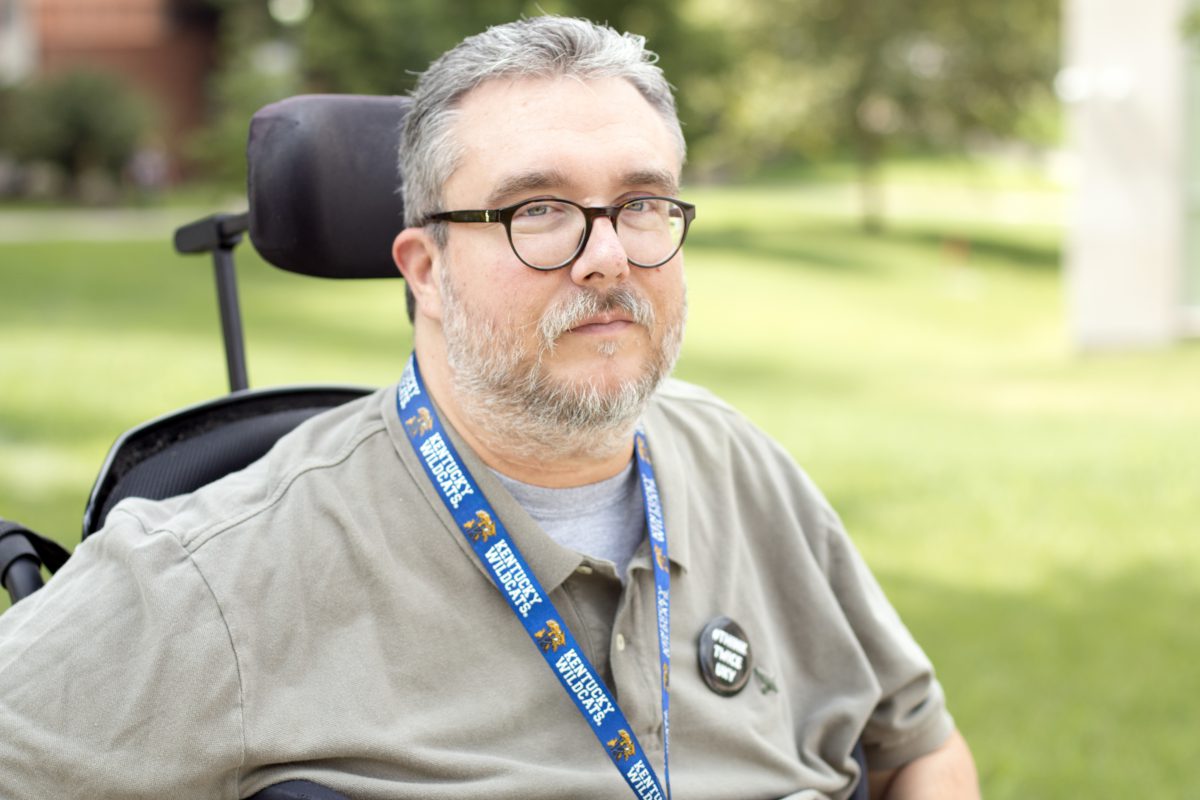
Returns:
<point x="571" y="461"/>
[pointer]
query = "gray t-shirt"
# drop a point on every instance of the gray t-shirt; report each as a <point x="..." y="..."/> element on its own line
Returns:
<point x="603" y="520"/>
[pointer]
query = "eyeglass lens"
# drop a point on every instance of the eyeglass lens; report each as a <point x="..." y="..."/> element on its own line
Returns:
<point x="547" y="233"/>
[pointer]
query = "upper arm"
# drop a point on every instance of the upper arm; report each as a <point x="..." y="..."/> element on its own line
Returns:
<point x="910" y="718"/>
<point x="118" y="678"/>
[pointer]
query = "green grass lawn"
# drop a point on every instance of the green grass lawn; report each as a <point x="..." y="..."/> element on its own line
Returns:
<point x="1032" y="512"/>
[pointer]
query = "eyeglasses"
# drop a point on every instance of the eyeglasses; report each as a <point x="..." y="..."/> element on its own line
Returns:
<point x="550" y="233"/>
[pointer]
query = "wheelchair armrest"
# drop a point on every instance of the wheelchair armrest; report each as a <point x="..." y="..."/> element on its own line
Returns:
<point x="22" y="555"/>
<point x="297" y="790"/>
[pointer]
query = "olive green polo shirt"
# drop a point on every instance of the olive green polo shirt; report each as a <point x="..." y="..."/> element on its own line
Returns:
<point x="318" y="616"/>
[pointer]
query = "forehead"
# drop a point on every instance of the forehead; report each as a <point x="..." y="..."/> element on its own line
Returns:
<point x="587" y="140"/>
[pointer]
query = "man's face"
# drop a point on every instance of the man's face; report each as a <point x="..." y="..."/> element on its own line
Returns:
<point x="598" y="328"/>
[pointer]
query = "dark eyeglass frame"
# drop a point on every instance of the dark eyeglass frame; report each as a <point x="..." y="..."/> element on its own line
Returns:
<point x="505" y="216"/>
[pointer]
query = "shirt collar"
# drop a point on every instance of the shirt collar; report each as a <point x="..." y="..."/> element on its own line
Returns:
<point x="550" y="561"/>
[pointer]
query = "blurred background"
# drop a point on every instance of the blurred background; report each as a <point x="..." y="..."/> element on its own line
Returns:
<point x="947" y="252"/>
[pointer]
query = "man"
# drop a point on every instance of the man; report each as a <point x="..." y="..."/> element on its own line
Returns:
<point x="501" y="577"/>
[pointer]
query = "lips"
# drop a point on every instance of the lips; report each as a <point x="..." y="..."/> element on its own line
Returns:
<point x="590" y="312"/>
<point x="600" y="323"/>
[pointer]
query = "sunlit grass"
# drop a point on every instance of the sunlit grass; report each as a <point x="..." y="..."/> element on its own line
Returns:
<point x="1031" y="511"/>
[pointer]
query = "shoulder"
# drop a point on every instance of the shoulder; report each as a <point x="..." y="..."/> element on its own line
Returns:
<point x="685" y="410"/>
<point x="306" y="460"/>
<point x="674" y="393"/>
<point x="690" y="417"/>
<point x="718" y="453"/>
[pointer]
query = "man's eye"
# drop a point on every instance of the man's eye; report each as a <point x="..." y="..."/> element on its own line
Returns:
<point x="637" y="206"/>
<point x="535" y="210"/>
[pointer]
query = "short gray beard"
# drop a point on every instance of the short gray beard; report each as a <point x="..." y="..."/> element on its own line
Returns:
<point x="520" y="406"/>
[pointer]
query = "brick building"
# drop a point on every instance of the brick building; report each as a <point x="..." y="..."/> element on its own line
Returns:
<point x="164" y="48"/>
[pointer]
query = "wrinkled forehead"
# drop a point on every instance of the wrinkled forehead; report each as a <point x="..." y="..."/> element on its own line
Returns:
<point x="581" y="139"/>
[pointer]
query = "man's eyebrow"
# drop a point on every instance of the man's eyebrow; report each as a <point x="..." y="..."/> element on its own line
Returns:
<point x="658" y="179"/>
<point x="523" y="183"/>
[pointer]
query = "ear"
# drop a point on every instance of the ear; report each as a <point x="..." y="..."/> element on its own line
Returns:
<point x="418" y="258"/>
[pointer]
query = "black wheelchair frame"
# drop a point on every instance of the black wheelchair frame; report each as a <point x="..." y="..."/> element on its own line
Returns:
<point x="320" y="204"/>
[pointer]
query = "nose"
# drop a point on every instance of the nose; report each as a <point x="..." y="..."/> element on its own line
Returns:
<point x="603" y="261"/>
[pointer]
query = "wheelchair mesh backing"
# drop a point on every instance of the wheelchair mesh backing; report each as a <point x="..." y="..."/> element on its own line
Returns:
<point x="185" y="450"/>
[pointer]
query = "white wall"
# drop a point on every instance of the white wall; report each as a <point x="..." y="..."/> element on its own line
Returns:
<point x="1124" y="81"/>
<point x="17" y="53"/>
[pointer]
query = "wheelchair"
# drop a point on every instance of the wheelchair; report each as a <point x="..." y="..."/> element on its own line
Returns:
<point x="323" y="203"/>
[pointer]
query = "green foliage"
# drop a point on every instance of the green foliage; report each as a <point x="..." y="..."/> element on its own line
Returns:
<point x="379" y="47"/>
<point x="758" y="81"/>
<point x="79" y="121"/>
<point x="376" y="47"/>
<point x="851" y="74"/>
<point x="257" y="69"/>
<point x="858" y="78"/>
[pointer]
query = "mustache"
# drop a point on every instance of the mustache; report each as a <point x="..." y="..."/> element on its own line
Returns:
<point x="576" y="308"/>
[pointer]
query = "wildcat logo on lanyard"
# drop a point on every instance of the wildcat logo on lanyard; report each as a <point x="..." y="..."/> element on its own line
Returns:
<point x="622" y="747"/>
<point x="478" y="522"/>
<point x="419" y="423"/>
<point x="481" y="528"/>
<point x="550" y="638"/>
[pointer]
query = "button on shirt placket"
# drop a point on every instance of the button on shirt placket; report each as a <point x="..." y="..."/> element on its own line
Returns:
<point x="588" y="599"/>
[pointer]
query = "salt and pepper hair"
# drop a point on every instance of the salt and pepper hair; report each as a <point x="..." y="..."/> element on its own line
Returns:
<point x="540" y="47"/>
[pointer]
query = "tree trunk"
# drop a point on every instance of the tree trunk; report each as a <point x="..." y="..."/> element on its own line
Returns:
<point x="869" y="147"/>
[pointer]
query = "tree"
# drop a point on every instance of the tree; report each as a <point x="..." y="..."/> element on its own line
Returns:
<point x="378" y="47"/>
<point x="258" y="65"/>
<point x="859" y="76"/>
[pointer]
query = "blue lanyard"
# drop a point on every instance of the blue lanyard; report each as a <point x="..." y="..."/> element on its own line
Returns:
<point x="486" y="534"/>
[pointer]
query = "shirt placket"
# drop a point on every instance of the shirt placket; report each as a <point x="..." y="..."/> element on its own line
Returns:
<point x="588" y="602"/>
<point x="633" y="656"/>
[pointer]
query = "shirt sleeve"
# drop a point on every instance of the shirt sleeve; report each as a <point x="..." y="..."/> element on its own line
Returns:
<point x="910" y="719"/>
<point x="118" y="679"/>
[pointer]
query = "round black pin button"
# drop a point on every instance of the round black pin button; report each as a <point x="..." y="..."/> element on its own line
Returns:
<point x="725" y="656"/>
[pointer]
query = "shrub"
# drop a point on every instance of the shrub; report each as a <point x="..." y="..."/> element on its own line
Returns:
<point x="84" y="123"/>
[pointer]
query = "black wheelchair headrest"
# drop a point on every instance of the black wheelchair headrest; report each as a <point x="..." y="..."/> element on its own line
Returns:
<point x="324" y="185"/>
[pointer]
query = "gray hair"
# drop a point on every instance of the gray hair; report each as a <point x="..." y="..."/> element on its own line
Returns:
<point x="539" y="47"/>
